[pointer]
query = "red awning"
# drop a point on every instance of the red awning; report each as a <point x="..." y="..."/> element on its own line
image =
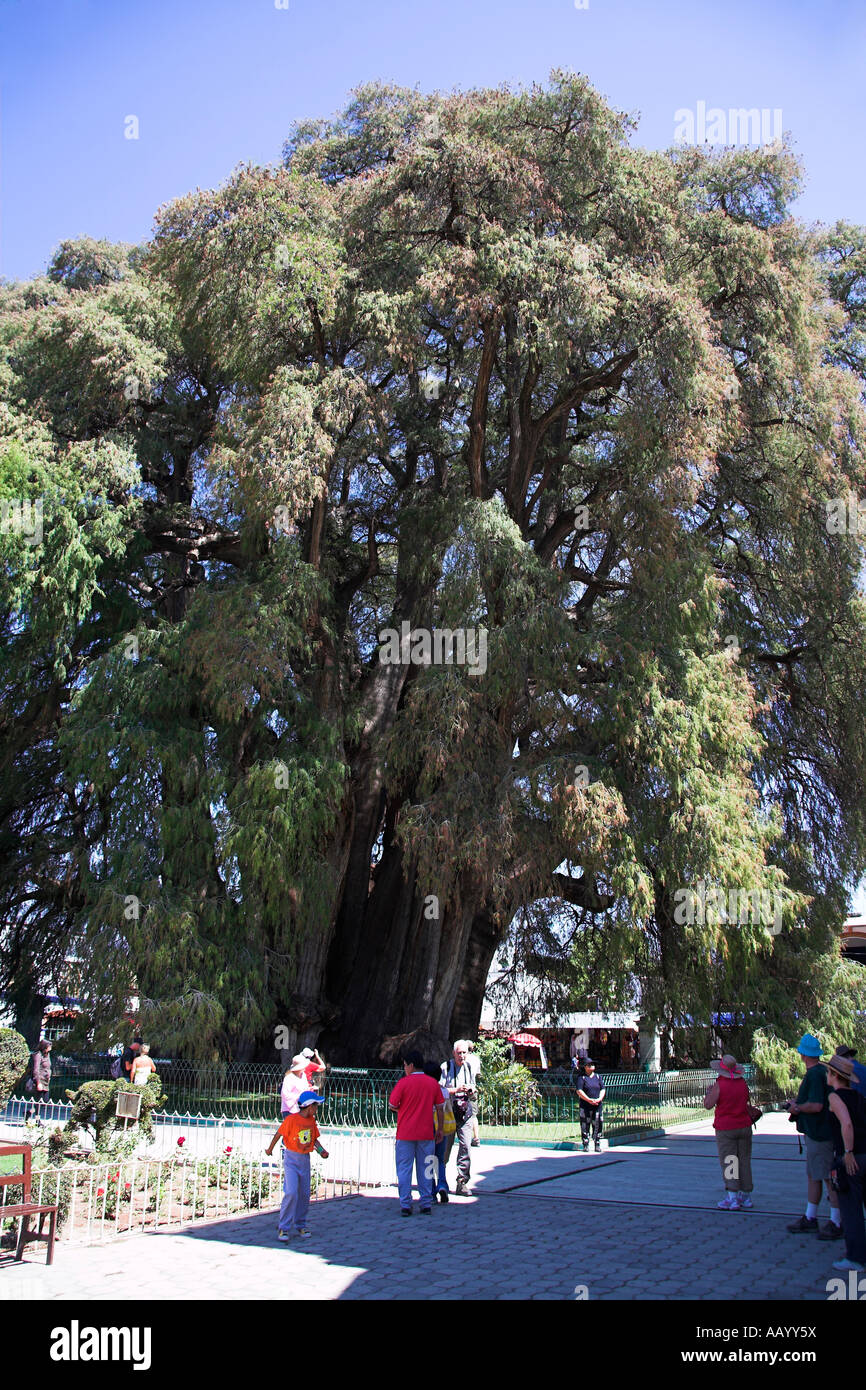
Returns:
<point x="525" y="1040"/>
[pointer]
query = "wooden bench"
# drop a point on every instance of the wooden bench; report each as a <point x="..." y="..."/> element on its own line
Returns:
<point x="26" y="1209"/>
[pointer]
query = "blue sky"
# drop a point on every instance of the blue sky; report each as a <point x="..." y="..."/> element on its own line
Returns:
<point x="217" y="82"/>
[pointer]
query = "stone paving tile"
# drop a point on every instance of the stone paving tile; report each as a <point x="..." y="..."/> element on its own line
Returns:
<point x="524" y="1244"/>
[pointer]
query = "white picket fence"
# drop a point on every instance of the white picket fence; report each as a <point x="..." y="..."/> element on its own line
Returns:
<point x="219" y="1171"/>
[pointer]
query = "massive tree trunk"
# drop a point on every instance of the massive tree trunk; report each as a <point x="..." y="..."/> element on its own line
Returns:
<point x="484" y="937"/>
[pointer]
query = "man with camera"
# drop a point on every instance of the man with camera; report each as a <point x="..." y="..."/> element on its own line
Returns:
<point x="459" y="1078"/>
<point x="811" y="1114"/>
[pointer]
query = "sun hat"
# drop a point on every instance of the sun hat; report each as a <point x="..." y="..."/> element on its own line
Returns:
<point x="299" y="1060"/>
<point x="846" y="1051"/>
<point x="726" y="1063"/>
<point x="308" y="1098"/>
<point x="809" y="1046"/>
<point x="841" y="1065"/>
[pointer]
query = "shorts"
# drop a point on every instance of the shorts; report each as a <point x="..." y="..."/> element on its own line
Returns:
<point x="819" y="1158"/>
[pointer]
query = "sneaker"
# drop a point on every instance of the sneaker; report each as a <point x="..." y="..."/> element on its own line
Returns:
<point x="283" y="1236"/>
<point x="598" y="1148"/>
<point x="745" y="1202"/>
<point x="849" y="1264"/>
<point x="443" y="1198"/>
<point x="425" y="1211"/>
<point x="405" y="1211"/>
<point x="831" y="1232"/>
<point x="304" y="1231"/>
<point x="806" y="1223"/>
<point x="586" y="1148"/>
<point x="729" y="1203"/>
<point x="460" y="1189"/>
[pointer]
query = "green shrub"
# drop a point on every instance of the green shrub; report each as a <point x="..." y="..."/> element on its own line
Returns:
<point x="507" y="1091"/>
<point x="94" y="1109"/>
<point x="14" y="1061"/>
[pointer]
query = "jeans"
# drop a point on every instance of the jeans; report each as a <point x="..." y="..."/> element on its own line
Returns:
<point x="851" y="1209"/>
<point x="296" y="1190"/>
<point x="420" y="1153"/>
<point x="590" y="1123"/>
<point x="443" y="1153"/>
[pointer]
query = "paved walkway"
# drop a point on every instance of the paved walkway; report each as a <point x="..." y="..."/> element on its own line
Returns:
<point x="636" y="1222"/>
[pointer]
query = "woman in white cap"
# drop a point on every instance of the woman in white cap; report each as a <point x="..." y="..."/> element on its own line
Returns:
<point x="294" y="1083"/>
<point x="728" y="1096"/>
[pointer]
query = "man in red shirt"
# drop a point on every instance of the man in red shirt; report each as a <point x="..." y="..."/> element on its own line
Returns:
<point x="417" y="1098"/>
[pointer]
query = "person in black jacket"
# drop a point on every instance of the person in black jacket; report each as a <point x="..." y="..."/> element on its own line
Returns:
<point x="590" y="1091"/>
<point x="848" y="1119"/>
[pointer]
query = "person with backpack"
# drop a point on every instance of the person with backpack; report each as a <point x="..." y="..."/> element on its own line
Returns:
<point x="121" y="1067"/>
<point x="848" y="1174"/>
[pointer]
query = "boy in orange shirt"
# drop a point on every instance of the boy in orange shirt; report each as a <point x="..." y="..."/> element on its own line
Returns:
<point x="300" y="1135"/>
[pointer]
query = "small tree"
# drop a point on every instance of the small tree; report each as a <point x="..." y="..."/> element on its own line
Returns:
<point x="14" y="1057"/>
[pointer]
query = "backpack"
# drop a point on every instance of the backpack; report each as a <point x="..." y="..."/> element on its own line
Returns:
<point x="116" y="1069"/>
<point x="449" y="1124"/>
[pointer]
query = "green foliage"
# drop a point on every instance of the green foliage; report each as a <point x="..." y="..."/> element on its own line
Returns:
<point x="507" y="1091"/>
<point x="14" y="1057"/>
<point x="466" y="361"/>
<point x="94" y="1108"/>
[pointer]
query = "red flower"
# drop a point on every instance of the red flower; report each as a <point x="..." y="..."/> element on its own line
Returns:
<point x="181" y="1141"/>
<point x="229" y="1149"/>
<point x="100" y="1191"/>
<point x="127" y="1185"/>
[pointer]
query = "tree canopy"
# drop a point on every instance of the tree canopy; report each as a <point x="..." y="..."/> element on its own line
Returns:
<point x="465" y="362"/>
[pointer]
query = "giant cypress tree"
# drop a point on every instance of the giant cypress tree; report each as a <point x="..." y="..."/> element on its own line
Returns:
<point x="464" y="362"/>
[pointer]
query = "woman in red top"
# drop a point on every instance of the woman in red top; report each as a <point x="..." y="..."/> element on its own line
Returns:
<point x="729" y="1098"/>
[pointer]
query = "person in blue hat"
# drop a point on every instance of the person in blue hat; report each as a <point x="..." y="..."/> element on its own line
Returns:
<point x="811" y="1110"/>
<point x="300" y="1135"/>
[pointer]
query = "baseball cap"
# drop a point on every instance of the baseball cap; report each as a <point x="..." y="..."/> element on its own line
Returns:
<point x="308" y="1097"/>
<point x="809" y="1046"/>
